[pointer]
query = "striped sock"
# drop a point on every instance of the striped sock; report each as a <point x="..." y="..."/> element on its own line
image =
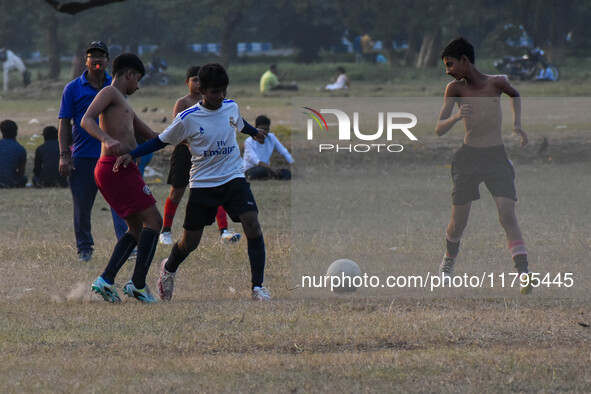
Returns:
<point x="519" y="255"/>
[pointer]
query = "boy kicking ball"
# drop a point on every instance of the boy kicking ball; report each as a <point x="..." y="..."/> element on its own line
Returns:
<point x="124" y="188"/>
<point x="216" y="176"/>
<point x="482" y="157"/>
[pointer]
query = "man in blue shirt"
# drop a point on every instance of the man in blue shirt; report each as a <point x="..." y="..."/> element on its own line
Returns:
<point x="13" y="157"/>
<point x="79" y="151"/>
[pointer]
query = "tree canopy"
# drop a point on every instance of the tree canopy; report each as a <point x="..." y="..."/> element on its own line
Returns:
<point x="56" y="28"/>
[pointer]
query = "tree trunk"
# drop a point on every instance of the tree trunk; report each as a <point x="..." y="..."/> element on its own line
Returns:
<point x="558" y="31"/>
<point x="53" y="47"/>
<point x="228" y="51"/>
<point x="428" y="54"/>
<point x="391" y="55"/>
<point x="410" y="57"/>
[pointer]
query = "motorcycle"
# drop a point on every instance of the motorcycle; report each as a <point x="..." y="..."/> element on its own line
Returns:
<point x="529" y="66"/>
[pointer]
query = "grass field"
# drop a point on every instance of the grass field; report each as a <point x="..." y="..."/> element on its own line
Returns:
<point x="56" y="337"/>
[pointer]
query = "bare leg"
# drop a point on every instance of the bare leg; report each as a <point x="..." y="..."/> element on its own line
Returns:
<point x="458" y="222"/>
<point x="508" y="219"/>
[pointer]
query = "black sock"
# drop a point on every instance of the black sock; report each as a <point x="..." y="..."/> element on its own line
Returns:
<point x="146" y="246"/>
<point x="521" y="263"/>
<point x="119" y="256"/>
<point x="175" y="258"/>
<point x="453" y="248"/>
<point x="256" y="255"/>
<point x="222" y="230"/>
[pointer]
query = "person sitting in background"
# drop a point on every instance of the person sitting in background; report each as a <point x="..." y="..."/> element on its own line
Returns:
<point x="342" y="82"/>
<point x="47" y="161"/>
<point x="270" y="81"/>
<point x="257" y="155"/>
<point x="13" y="157"/>
<point x="546" y="73"/>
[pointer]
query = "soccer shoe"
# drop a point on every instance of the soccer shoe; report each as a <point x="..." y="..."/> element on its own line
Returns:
<point x="165" y="238"/>
<point x="144" y="295"/>
<point x="229" y="237"/>
<point x="85" y="254"/>
<point x="105" y="290"/>
<point x="526" y="285"/>
<point x="446" y="268"/>
<point x="165" y="282"/>
<point x="261" y="294"/>
<point x="133" y="254"/>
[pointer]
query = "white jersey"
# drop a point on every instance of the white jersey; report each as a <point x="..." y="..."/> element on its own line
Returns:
<point x="254" y="151"/>
<point x="211" y="135"/>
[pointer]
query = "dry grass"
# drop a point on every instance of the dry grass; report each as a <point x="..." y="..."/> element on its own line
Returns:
<point x="55" y="337"/>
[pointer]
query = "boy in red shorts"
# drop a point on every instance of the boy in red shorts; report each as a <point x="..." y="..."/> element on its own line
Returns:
<point x="124" y="188"/>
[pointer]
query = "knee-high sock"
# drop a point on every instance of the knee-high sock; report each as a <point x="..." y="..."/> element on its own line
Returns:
<point x="170" y="208"/>
<point x="119" y="256"/>
<point x="146" y="246"/>
<point x="221" y="218"/>
<point x="256" y="255"/>
<point x="175" y="258"/>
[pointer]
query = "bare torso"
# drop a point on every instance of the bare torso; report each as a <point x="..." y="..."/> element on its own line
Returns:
<point x="117" y="121"/>
<point x="484" y="127"/>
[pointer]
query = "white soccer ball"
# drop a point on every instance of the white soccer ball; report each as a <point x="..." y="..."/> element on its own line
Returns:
<point x="344" y="276"/>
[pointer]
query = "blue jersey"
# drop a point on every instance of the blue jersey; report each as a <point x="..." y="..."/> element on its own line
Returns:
<point x="77" y="96"/>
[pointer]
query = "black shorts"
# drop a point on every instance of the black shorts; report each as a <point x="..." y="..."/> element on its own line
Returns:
<point x="235" y="196"/>
<point x="471" y="166"/>
<point x="180" y="167"/>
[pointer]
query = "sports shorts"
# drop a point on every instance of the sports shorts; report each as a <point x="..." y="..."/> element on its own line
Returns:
<point x="180" y="167"/>
<point x="124" y="190"/>
<point x="471" y="166"/>
<point x="235" y="196"/>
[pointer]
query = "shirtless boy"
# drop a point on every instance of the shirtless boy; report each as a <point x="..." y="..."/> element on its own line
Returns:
<point x="124" y="188"/>
<point x="482" y="157"/>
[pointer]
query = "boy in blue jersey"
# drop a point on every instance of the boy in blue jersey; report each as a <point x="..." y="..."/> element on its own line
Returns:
<point x="209" y="128"/>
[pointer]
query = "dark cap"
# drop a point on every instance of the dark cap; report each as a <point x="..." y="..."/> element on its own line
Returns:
<point x="101" y="46"/>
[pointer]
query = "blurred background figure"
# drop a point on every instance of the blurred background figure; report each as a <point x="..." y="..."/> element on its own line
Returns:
<point x="12" y="62"/>
<point x="342" y="82"/>
<point x="13" y="157"/>
<point x="47" y="161"/>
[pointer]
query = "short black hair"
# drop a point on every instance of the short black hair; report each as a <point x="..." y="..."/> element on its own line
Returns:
<point x="457" y="48"/>
<point x="9" y="129"/>
<point x="127" y="61"/>
<point x="213" y="75"/>
<point x="192" y="71"/>
<point x="50" y="133"/>
<point x="341" y="69"/>
<point x="262" y="120"/>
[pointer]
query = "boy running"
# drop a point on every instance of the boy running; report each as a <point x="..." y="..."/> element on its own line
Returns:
<point x="216" y="176"/>
<point x="482" y="157"/>
<point x="180" y="166"/>
<point x="124" y="188"/>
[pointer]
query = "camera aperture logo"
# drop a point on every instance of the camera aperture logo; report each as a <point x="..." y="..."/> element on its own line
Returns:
<point x="393" y="124"/>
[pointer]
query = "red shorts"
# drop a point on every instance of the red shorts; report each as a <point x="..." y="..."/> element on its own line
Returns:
<point x="125" y="190"/>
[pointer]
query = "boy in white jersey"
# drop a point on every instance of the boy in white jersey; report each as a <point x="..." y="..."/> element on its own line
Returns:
<point x="216" y="176"/>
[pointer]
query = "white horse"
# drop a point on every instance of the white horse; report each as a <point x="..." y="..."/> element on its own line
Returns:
<point x="12" y="62"/>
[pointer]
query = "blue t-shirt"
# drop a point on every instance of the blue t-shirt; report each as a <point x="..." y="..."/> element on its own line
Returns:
<point x="12" y="155"/>
<point x="77" y="96"/>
